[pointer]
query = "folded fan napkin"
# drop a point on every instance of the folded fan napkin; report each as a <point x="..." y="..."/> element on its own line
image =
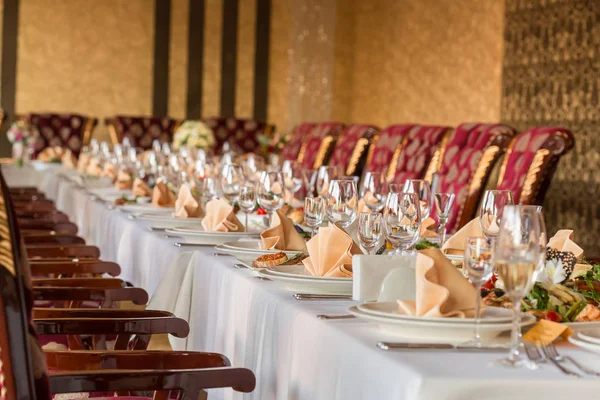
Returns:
<point x="140" y="189"/>
<point x="51" y="154"/>
<point x="456" y="243"/>
<point x="428" y="228"/>
<point x="82" y="162"/>
<point x="221" y="218"/>
<point x="68" y="160"/>
<point x="93" y="167"/>
<point x="109" y="171"/>
<point x="124" y="181"/>
<point x="563" y="241"/>
<point x="162" y="195"/>
<point x="330" y="253"/>
<point x="281" y="235"/>
<point x="186" y="205"/>
<point x="441" y="290"/>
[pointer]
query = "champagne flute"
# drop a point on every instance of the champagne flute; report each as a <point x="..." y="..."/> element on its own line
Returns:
<point x="517" y="257"/>
<point x="479" y="267"/>
<point x="314" y="213"/>
<point x="423" y="190"/>
<point x="374" y="191"/>
<point x="270" y="192"/>
<point x="443" y="206"/>
<point x="490" y="212"/>
<point x="342" y="202"/>
<point x="247" y="200"/>
<point x="232" y="178"/>
<point x="402" y="220"/>
<point x="369" y="230"/>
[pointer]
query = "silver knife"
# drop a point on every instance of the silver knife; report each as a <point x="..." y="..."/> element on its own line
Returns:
<point x="180" y="244"/>
<point x="317" y="296"/>
<point x="435" y="346"/>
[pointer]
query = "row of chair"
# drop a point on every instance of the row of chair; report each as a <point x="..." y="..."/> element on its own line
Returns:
<point x="54" y="292"/>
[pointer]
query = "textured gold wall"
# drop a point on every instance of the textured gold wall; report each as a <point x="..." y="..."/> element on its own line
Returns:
<point x="211" y="71"/>
<point x="246" y="41"/>
<point x="178" y="58"/>
<point x="94" y="59"/>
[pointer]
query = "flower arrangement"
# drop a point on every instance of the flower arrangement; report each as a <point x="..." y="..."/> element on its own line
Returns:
<point x="271" y="145"/>
<point x="194" y="134"/>
<point x="21" y="134"/>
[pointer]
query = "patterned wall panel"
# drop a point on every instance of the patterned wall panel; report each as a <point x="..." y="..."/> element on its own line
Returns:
<point x="211" y="73"/>
<point x="246" y="41"/>
<point x="178" y="58"/>
<point x="551" y="76"/>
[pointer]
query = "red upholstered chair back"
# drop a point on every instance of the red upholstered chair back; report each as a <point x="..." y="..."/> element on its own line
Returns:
<point x="531" y="160"/>
<point x="467" y="160"/>
<point x="383" y="147"/>
<point x="142" y="131"/>
<point x="241" y="134"/>
<point x="418" y="154"/>
<point x="351" y="147"/>
<point x="70" y="131"/>
<point x="300" y="133"/>
<point x="316" y="149"/>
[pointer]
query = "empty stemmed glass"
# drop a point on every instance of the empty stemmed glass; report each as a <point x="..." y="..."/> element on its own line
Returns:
<point x="443" y="206"/>
<point x="490" y="212"/>
<point x="309" y="177"/>
<point x="342" y="202"/>
<point x="423" y="190"/>
<point x="479" y="268"/>
<point x="314" y="213"/>
<point x="325" y="175"/>
<point x="373" y="191"/>
<point x="369" y="230"/>
<point x="247" y="200"/>
<point x="253" y="168"/>
<point x="210" y="189"/>
<point x="293" y="176"/>
<point x="270" y="192"/>
<point x="402" y="220"/>
<point x="232" y="178"/>
<point x="517" y="256"/>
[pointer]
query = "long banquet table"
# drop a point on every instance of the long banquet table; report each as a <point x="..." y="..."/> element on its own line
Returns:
<point x="258" y="324"/>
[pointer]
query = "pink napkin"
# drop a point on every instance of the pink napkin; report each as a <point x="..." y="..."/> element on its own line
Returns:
<point x="162" y="195"/>
<point x="456" y="243"/>
<point x="186" y="205"/>
<point x="124" y="181"/>
<point x="221" y="218"/>
<point x="563" y="241"/>
<point x="68" y="159"/>
<point x="281" y="235"/>
<point x="441" y="290"/>
<point x="330" y="253"/>
<point x="109" y="171"/>
<point x="51" y="154"/>
<point x="82" y="162"/>
<point x="140" y="188"/>
<point x="93" y="167"/>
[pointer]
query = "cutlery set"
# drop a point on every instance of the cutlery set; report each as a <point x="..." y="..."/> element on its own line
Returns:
<point x="541" y="353"/>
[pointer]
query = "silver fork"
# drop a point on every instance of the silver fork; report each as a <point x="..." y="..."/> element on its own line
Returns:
<point x="551" y="352"/>
<point x="533" y="353"/>
<point x="556" y="360"/>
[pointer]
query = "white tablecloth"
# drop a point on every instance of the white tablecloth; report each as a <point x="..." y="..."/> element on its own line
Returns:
<point x="294" y="355"/>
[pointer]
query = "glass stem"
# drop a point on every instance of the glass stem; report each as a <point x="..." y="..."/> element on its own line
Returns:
<point x="516" y="331"/>
<point x="270" y="218"/>
<point x="477" y="337"/>
<point x="442" y="231"/>
<point x="246" y="225"/>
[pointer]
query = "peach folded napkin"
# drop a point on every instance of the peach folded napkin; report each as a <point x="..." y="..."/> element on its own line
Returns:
<point x="186" y="205"/>
<point x="68" y="160"/>
<point x="563" y="241"/>
<point x="140" y="189"/>
<point x="162" y="195"/>
<point x="51" y="154"/>
<point x="82" y="162"/>
<point x="124" y="181"/>
<point x="456" y="243"/>
<point x="441" y="290"/>
<point x="428" y="228"/>
<point x="330" y="253"/>
<point x="93" y="167"/>
<point x="109" y="171"/>
<point x="281" y="235"/>
<point x="221" y="218"/>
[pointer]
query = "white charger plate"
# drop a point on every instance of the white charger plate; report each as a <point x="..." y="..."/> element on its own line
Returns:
<point x="441" y="331"/>
<point x="579" y="340"/>
<point x="167" y="220"/>
<point x="145" y="208"/>
<point x="197" y="235"/>
<point x="249" y="256"/>
<point x="291" y="276"/>
<point x="389" y="309"/>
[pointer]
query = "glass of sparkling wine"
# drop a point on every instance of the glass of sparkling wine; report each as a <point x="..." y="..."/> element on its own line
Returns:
<point x="314" y="213"/>
<point x="517" y="256"/>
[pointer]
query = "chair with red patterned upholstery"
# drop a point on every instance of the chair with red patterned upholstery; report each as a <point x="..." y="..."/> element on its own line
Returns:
<point x="317" y="148"/>
<point x="383" y="147"/>
<point x="467" y="160"/>
<point x="417" y="156"/>
<point x="300" y="133"/>
<point x="70" y="131"/>
<point x="141" y="131"/>
<point x="350" y="149"/>
<point x="531" y="160"/>
<point x="241" y="134"/>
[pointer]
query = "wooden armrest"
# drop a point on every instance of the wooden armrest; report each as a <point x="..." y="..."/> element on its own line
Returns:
<point x="71" y="268"/>
<point x="75" y="360"/>
<point x="22" y="189"/>
<point x="38" y="201"/>
<point x="61" y="238"/>
<point x="36" y="214"/>
<point x="39" y="207"/>
<point x="28" y="197"/>
<point x="66" y="251"/>
<point x="70" y="313"/>
<point x="48" y="226"/>
<point x="190" y="381"/>
<point x="79" y="294"/>
<point x="106" y="283"/>
<point x="49" y="216"/>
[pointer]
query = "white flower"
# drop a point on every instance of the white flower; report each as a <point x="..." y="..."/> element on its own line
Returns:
<point x="553" y="272"/>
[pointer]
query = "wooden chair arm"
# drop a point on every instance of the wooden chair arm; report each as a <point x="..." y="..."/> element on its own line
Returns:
<point x="75" y="360"/>
<point x="190" y="381"/>
<point x="22" y="190"/>
<point x="61" y="238"/>
<point x="106" y="283"/>
<point x="49" y="216"/>
<point x="66" y="251"/>
<point x="36" y="214"/>
<point x="28" y="197"/>
<point x="79" y="294"/>
<point x="28" y="201"/>
<point x="70" y="268"/>
<point x="37" y="207"/>
<point x="48" y="226"/>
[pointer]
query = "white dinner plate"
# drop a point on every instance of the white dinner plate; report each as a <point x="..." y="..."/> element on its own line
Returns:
<point x="592" y="337"/>
<point x="291" y="276"/>
<point x="145" y="208"/>
<point x="441" y="331"/>
<point x="198" y="235"/>
<point x="455" y="257"/>
<point x="255" y="221"/>
<point x="167" y="220"/>
<point x="578" y="340"/>
<point x="390" y="309"/>
<point x="249" y="256"/>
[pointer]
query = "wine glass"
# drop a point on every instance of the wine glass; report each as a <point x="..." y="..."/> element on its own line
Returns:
<point x="232" y="178"/>
<point x="479" y="268"/>
<point x="490" y="212"/>
<point x="270" y="192"/>
<point x="325" y="175"/>
<point x="422" y="188"/>
<point x="443" y="206"/>
<point x="369" y="230"/>
<point x="247" y="200"/>
<point x="210" y="189"/>
<point x="402" y="220"/>
<point x="253" y="168"/>
<point x="395" y="188"/>
<point x="517" y="255"/>
<point x="293" y="176"/>
<point x="342" y="202"/>
<point x="374" y="191"/>
<point x="310" y="181"/>
<point x="314" y="212"/>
